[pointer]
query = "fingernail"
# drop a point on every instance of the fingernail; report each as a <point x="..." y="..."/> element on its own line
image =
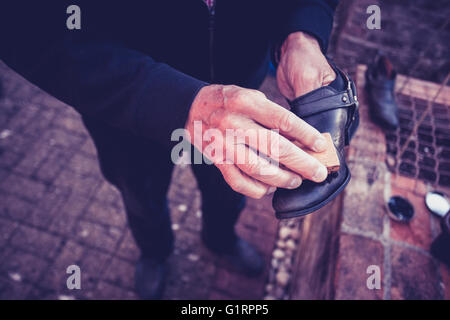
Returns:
<point x="295" y="183"/>
<point x="320" y="144"/>
<point x="271" y="190"/>
<point x="320" y="174"/>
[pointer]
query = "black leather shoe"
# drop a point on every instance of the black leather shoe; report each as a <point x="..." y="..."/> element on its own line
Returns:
<point x="440" y="248"/>
<point x="150" y="278"/>
<point x="380" y="84"/>
<point x="239" y="254"/>
<point x="333" y="109"/>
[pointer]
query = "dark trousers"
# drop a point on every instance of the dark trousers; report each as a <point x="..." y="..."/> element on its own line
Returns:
<point x="141" y="170"/>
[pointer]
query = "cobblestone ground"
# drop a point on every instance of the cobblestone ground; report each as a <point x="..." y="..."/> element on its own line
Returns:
<point x="415" y="36"/>
<point x="369" y="238"/>
<point x="57" y="210"/>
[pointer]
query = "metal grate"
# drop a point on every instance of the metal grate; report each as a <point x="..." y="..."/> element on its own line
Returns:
<point x="420" y="147"/>
<point x="427" y="153"/>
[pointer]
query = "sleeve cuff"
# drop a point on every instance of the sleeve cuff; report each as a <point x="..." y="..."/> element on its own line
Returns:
<point x="312" y="17"/>
<point x="166" y="106"/>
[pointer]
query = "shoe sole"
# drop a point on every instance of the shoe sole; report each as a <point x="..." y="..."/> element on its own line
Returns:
<point x="304" y="212"/>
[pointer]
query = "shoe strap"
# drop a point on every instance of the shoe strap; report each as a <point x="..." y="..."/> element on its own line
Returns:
<point x="328" y="98"/>
<point x="325" y="98"/>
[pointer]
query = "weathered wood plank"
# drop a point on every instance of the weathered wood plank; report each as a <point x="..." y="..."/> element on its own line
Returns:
<point x="317" y="252"/>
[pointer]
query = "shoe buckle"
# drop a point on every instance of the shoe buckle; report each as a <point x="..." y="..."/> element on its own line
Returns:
<point x="353" y="108"/>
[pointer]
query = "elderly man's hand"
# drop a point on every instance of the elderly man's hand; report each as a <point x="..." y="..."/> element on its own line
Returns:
<point x="302" y="66"/>
<point x="234" y="109"/>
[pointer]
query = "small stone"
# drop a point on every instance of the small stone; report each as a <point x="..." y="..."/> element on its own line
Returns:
<point x="65" y="297"/>
<point x="269" y="298"/>
<point x="198" y="213"/>
<point x="282" y="278"/>
<point x="295" y="234"/>
<point x="291" y="224"/>
<point x="390" y="160"/>
<point x="279" y="293"/>
<point x="182" y="208"/>
<point x="278" y="254"/>
<point x="284" y="233"/>
<point x="275" y="263"/>
<point x="5" y="134"/>
<point x="84" y="233"/>
<point x="175" y="227"/>
<point x="15" y="276"/>
<point x="290" y="244"/>
<point x="269" y="287"/>
<point x="281" y="244"/>
<point x="193" y="257"/>
<point x="282" y="268"/>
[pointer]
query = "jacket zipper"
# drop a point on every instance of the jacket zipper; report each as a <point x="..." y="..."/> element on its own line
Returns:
<point x="211" y="40"/>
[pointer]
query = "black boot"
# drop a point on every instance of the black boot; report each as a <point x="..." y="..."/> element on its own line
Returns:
<point x="380" y="84"/>
<point x="150" y="278"/>
<point x="238" y="253"/>
<point x="440" y="248"/>
<point x="333" y="109"/>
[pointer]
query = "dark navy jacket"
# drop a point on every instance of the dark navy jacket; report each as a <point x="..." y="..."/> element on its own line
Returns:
<point x="137" y="65"/>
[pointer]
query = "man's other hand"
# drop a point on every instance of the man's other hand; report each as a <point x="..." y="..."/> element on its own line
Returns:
<point x="302" y="67"/>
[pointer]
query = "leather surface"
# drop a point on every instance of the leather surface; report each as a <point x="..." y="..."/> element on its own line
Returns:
<point x="328" y="110"/>
<point x="383" y="107"/>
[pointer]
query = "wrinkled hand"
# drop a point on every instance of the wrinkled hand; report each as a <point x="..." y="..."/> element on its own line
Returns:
<point x="222" y="107"/>
<point x="302" y="66"/>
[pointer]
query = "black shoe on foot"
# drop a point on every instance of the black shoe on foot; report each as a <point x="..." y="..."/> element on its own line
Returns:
<point x="333" y="109"/>
<point x="150" y="278"/>
<point x="239" y="254"/>
<point x="440" y="248"/>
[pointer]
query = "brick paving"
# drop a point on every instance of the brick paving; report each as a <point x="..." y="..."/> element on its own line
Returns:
<point x="57" y="210"/>
<point x="423" y="154"/>
<point x="414" y="35"/>
<point x="369" y="237"/>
